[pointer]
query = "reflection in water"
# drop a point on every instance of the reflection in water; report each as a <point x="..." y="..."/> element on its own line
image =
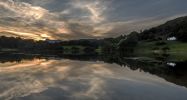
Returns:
<point x="36" y="76"/>
<point x="45" y="79"/>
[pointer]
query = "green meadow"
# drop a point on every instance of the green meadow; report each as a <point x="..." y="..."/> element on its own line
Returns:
<point x="174" y="50"/>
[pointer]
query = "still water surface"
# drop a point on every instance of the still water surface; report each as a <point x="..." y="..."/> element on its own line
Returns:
<point x="42" y="79"/>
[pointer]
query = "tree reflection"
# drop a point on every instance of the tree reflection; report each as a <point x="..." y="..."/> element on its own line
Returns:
<point x="176" y="74"/>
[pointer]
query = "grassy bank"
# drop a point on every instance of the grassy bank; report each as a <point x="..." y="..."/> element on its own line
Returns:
<point x="174" y="50"/>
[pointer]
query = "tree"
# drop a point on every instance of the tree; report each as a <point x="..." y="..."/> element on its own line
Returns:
<point x="165" y="49"/>
<point x="75" y="50"/>
<point x="127" y="45"/>
<point x="89" y="50"/>
<point x="182" y="35"/>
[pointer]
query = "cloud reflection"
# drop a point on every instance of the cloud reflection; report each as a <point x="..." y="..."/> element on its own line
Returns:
<point x="49" y="79"/>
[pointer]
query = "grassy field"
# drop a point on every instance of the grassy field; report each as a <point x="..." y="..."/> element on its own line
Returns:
<point x="177" y="50"/>
<point x="68" y="49"/>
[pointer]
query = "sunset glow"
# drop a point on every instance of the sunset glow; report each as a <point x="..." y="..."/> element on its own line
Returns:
<point x="75" y="19"/>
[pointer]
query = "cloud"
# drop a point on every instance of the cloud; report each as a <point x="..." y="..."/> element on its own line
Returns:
<point x="75" y="19"/>
<point x="29" y="21"/>
<point x="94" y="8"/>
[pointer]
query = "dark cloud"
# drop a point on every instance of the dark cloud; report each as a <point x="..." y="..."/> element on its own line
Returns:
<point x="74" y="19"/>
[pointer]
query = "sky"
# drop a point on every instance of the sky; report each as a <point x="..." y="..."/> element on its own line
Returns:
<point x="80" y="19"/>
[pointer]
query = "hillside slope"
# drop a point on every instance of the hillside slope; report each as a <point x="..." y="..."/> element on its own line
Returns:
<point x="176" y="27"/>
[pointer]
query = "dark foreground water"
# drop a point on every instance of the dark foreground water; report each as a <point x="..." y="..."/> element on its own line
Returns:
<point x="62" y="79"/>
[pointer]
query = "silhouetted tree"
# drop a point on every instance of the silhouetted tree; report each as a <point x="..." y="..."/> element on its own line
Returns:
<point x="126" y="46"/>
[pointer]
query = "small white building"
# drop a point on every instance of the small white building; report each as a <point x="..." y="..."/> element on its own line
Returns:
<point x="172" y="64"/>
<point x="172" y="38"/>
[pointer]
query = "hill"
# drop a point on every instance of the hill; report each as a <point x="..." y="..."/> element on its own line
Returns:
<point x="176" y="27"/>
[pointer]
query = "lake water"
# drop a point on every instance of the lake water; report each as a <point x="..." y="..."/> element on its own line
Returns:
<point x="63" y="79"/>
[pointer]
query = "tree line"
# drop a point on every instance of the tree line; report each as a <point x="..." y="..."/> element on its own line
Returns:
<point x="121" y="45"/>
